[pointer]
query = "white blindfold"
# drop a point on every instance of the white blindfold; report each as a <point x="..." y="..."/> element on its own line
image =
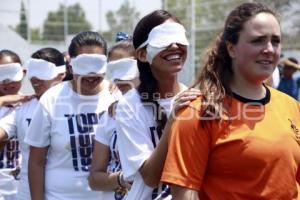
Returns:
<point x="165" y="34"/>
<point x="123" y="69"/>
<point x="43" y="69"/>
<point x="162" y="36"/>
<point x="87" y="64"/>
<point x="11" y="72"/>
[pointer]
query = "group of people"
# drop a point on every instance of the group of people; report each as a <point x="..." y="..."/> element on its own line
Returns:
<point x="124" y="127"/>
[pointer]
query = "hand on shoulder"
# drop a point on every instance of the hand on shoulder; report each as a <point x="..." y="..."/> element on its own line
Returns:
<point x="13" y="99"/>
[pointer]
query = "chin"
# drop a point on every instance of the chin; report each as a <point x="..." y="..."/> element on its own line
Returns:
<point x="176" y="69"/>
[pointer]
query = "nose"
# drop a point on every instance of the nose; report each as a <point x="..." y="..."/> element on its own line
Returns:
<point x="269" y="48"/>
<point x="173" y="46"/>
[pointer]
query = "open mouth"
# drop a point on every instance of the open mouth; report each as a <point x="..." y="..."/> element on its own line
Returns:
<point x="173" y="57"/>
<point x="264" y="62"/>
<point x="92" y="80"/>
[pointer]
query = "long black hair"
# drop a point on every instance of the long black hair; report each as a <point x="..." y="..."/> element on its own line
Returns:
<point x="149" y="85"/>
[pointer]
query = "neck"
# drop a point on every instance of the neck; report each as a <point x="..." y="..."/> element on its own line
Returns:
<point x="248" y="90"/>
<point x="168" y="87"/>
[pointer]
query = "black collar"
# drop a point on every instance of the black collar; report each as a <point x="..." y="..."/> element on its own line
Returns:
<point x="262" y="101"/>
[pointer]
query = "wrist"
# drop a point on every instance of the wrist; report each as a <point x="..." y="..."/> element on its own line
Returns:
<point x="121" y="181"/>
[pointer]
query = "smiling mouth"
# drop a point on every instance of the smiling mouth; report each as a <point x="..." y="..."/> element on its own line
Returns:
<point x="265" y="62"/>
<point x="173" y="57"/>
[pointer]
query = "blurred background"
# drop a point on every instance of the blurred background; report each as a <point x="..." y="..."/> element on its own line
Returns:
<point x="28" y="25"/>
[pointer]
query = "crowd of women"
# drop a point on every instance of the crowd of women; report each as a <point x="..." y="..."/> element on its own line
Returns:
<point x="122" y="126"/>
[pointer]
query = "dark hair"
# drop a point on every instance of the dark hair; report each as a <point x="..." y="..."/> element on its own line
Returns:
<point x="216" y="73"/>
<point x="124" y="45"/>
<point x="13" y="55"/>
<point x="87" y="38"/>
<point x="292" y="59"/>
<point x="149" y="85"/>
<point x="51" y="55"/>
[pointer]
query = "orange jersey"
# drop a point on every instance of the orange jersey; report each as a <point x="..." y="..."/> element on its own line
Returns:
<point x="255" y="156"/>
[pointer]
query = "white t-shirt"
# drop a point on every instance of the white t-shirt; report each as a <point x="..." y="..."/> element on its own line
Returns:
<point x="137" y="138"/>
<point x="66" y="121"/>
<point x="9" y="161"/>
<point x="107" y="135"/>
<point x="15" y="125"/>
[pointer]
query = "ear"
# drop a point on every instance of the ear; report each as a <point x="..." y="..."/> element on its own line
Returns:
<point x="141" y="54"/>
<point x="231" y="49"/>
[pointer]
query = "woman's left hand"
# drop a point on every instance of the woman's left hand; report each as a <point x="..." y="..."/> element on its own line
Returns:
<point x="185" y="98"/>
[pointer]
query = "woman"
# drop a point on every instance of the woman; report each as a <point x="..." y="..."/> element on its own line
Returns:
<point x="161" y="50"/>
<point x="62" y="128"/>
<point x="45" y="69"/>
<point x="105" y="173"/>
<point x="10" y="83"/>
<point x="240" y="140"/>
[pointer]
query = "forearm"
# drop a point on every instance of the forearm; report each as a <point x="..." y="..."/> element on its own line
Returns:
<point x="103" y="181"/>
<point x="152" y="168"/>
<point x="12" y="99"/>
<point x="36" y="172"/>
<point x="3" y="138"/>
<point x="3" y="135"/>
<point x="36" y="175"/>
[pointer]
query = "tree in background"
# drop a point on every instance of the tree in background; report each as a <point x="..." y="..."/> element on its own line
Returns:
<point x="54" y="24"/>
<point x="22" y="27"/>
<point x="36" y="34"/>
<point x="124" y="19"/>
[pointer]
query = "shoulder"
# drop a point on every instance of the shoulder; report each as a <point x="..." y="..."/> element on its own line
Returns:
<point x="278" y="96"/>
<point x="31" y="102"/>
<point x="130" y="107"/>
<point x="131" y="98"/>
<point x="284" y="103"/>
<point x="193" y="108"/>
<point x="189" y="118"/>
<point x="56" y="90"/>
<point x="27" y="105"/>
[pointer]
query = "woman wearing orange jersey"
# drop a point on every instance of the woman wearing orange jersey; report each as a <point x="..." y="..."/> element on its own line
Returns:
<point x="240" y="139"/>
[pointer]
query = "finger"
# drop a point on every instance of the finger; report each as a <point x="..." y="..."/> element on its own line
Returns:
<point x="189" y="93"/>
<point x="194" y="90"/>
<point x="186" y="98"/>
<point x="181" y="105"/>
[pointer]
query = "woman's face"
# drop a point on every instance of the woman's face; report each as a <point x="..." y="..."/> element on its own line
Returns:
<point x="41" y="86"/>
<point x="123" y="86"/>
<point x="257" y="52"/>
<point x="169" y="61"/>
<point x="10" y="87"/>
<point x="88" y="85"/>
